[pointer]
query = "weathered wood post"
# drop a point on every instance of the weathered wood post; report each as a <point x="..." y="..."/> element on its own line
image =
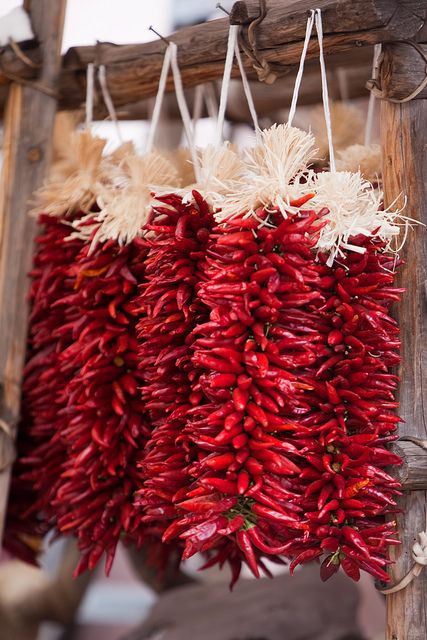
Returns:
<point x="29" y="119"/>
<point x="404" y="143"/>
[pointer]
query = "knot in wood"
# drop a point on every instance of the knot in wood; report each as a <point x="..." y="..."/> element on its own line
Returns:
<point x="34" y="154"/>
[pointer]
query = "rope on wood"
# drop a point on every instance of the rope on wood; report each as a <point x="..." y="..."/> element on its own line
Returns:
<point x="263" y="68"/>
<point x="374" y="85"/>
<point x="33" y="84"/>
<point x="22" y="56"/>
<point x="419" y="548"/>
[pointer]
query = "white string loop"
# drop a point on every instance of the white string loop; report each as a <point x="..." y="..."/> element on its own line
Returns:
<point x="372" y="98"/>
<point x="102" y="77"/>
<point x="225" y="87"/>
<point x="183" y="109"/>
<point x="155" y="117"/>
<point x="211" y="101"/>
<point x="199" y="96"/>
<point x="325" y="93"/>
<point x="90" y="83"/>
<point x="298" y="79"/>
<point x="247" y="90"/>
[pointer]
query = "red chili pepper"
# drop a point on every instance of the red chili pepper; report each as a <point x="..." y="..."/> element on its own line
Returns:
<point x="256" y="539"/>
<point x="244" y="543"/>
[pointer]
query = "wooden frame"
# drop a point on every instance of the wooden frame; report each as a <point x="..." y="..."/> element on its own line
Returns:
<point x="133" y="72"/>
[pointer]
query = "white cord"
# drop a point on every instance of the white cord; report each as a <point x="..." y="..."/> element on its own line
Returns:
<point x="308" y="31"/>
<point x="183" y="108"/>
<point x="155" y="117"/>
<point x="102" y="77"/>
<point x="199" y="95"/>
<point x="247" y="90"/>
<point x="211" y="101"/>
<point x="325" y="93"/>
<point x="232" y="39"/>
<point x="90" y="78"/>
<point x="371" y="103"/>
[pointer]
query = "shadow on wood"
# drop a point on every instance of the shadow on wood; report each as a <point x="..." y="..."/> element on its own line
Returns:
<point x="298" y="608"/>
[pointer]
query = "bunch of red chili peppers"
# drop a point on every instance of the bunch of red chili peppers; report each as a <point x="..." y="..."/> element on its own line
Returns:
<point x="286" y="448"/>
<point x="219" y="387"/>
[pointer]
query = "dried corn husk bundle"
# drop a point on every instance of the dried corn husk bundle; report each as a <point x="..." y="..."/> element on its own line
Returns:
<point x="347" y="127"/>
<point x="126" y="200"/>
<point x="365" y="158"/>
<point x="274" y="172"/>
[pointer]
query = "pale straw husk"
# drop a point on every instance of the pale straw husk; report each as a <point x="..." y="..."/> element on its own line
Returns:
<point x="353" y="208"/>
<point x="365" y="158"/>
<point x="125" y="202"/>
<point x="221" y="171"/>
<point x="181" y="161"/>
<point x="347" y="127"/>
<point x="75" y="183"/>
<point x="274" y="169"/>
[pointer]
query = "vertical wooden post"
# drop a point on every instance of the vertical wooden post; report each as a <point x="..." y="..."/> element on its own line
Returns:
<point x="404" y="143"/>
<point x="29" y="119"/>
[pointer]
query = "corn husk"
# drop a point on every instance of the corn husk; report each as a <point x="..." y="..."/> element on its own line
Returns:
<point x="347" y="127"/>
<point x="83" y="166"/>
<point x="221" y="171"/>
<point x="274" y="169"/>
<point x="365" y="158"/>
<point x="354" y="207"/>
<point x="126" y="200"/>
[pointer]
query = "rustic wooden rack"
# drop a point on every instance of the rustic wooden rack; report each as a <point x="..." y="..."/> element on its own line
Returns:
<point x="350" y="27"/>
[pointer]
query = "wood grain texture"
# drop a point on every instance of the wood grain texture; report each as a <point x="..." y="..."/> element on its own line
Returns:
<point x="413" y="472"/>
<point x="27" y="147"/>
<point x="404" y="143"/>
<point x="286" y="608"/>
<point x="133" y="70"/>
<point x="13" y="64"/>
<point x="403" y="70"/>
<point x="269" y="99"/>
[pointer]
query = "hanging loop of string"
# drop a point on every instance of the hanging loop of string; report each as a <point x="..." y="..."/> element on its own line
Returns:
<point x="211" y="101"/>
<point x="226" y="78"/>
<point x="372" y="98"/>
<point x="325" y="92"/>
<point x="90" y="86"/>
<point x="102" y="78"/>
<point x="315" y="18"/>
<point x="199" y="96"/>
<point x="155" y="117"/>
<point x="183" y="109"/>
<point x="298" y="79"/>
<point x="247" y="90"/>
<point x="233" y="50"/>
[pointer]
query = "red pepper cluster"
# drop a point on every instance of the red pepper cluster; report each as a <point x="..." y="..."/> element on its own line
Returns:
<point x="42" y="453"/>
<point x="219" y="388"/>
<point x="178" y="234"/>
<point x="85" y="424"/>
<point x="239" y="500"/>
<point x="105" y="426"/>
<point x="345" y="490"/>
<point x="297" y="407"/>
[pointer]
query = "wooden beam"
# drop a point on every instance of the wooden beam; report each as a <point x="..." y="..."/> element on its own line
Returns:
<point x="27" y="149"/>
<point x="403" y="70"/>
<point x="413" y="472"/>
<point x="133" y="70"/>
<point x="404" y="141"/>
<point x="270" y="100"/>
<point x="23" y="64"/>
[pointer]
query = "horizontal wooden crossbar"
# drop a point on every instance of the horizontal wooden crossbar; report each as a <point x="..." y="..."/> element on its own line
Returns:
<point x="133" y="70"/>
